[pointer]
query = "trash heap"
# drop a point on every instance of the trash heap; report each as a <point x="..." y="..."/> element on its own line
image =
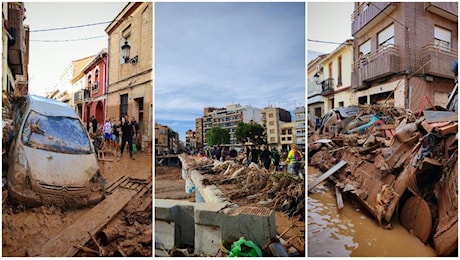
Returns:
<point x="390" y="159"/>
<point x="254" y="184"/>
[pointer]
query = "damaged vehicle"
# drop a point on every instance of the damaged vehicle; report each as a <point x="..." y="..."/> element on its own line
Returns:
<point x="338" y="118"/>
<point x="52" y="160"/>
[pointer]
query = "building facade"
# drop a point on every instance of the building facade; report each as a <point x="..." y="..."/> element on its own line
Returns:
<point x="403" y="52"/>
<point x="287" y="136"/>
<point x="228" y="118"/>
<point x="329" y="81"/>
<point x="299" y="126"/>
<point x="92" y="95"/>
<point x="130" y="78"/>
<point x="15" y="53"/>
<point x="271" y="119"/>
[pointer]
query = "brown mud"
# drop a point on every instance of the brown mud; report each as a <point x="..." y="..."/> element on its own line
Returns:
<point x="26" y="231"/>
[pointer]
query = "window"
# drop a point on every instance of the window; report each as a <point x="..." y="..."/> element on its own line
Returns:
<point x="271" y="115"/>
<point x="339" y="72"/>
<point x="88" y="82"/>
<point x="365" y="48"/>
<point x="442" y="38"/>
<point x="386" y="37"/>
<point x="123" y="105"/>
<point x="272" y="131"/>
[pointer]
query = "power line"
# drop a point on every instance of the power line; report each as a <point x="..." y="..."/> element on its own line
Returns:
<point x="319" y="41"/>
<point x="70" y="40"/>
<point x="69" y="27"/>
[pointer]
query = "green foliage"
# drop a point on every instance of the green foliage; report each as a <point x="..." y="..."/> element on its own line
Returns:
<point x="217" y="136"/>
<point x="252" y="132"/>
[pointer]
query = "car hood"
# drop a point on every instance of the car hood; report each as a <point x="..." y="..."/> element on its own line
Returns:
<point x="59" y="168"/>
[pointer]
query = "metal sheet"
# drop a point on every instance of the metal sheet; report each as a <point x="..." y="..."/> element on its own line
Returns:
<point x="440" y="116"/>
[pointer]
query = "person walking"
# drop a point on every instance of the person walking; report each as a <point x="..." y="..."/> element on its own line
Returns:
<point x="107" y="129"/>
<point x="294" y="159"/>
<point x="136" y="135"/>
<point x="255" y="154"/>
<point x="94" y="124"/>
<point x="116" y="134"/>
<point x="127" y="131"/>
<point x="265" y="157"/>
<point x="276" y="159"/>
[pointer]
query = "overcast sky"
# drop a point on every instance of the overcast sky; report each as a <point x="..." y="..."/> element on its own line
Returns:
<point x="328" y="22"/>
<point x="48" y="60"/>
<point x="217" y="54"/>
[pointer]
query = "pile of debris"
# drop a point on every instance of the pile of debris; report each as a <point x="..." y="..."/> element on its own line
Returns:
<point x="388" y="158"/>
<point x="278" y="191"/>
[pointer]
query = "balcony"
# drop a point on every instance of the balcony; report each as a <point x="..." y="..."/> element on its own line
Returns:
<point x="448" y="10"/>
<point x="437" y="61"/>
<point x="77" y="97"/>
<point x="16" y="43"/>
<point x="368" y="15"/>
<point x="327" y="87"/>
<point x="382" y="63"/>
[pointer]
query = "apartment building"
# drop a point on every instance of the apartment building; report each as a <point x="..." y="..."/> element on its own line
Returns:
<point x="199" y="132"/>
<point x="403" y="52"/>
<point x="227" y="118"/>
<point x="161" y="139"/>
<point x="287" y="136"/>
<point x="271" y="119"/>
<point x="130" y="84"/>
<point x="329" y="80"/>
<point x="299" y="126"/>
<point x="92" y="97"/>
<point x="15" y="52"/>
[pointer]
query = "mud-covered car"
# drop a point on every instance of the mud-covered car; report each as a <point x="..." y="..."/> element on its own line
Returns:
<point x="338" y="117"/>
<point x="51" y="160"/>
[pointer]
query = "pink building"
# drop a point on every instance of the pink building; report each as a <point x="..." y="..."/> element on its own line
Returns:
<point x="95" y="93"/>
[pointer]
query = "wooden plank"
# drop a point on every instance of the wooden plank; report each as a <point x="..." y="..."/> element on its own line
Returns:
<point x="327" y="174"/>
<point x="76" y="234"/>
<point x="452" y="128"/>
<point x="338" y="195"/>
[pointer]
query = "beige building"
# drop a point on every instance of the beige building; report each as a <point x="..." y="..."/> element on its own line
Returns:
<point x="330" y="80"/>
<point x="130" y="77"/>
<point x="287" y="135"/>
<point x="271" y="119"/>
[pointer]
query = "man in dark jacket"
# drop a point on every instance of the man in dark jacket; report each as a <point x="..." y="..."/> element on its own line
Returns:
<point x="127" y="130"/>
<point x="265" y="157"/>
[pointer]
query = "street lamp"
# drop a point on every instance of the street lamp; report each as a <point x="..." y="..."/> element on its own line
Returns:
<point x="316" y="77"/>
<point x="125" y="52"/>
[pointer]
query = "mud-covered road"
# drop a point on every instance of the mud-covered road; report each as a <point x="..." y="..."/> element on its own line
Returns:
<point x="31" y="232"/>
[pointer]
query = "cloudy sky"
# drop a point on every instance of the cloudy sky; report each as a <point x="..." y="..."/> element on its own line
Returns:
<point x="324" y="37"/>
<point x="217" y="54"/>
<point x="52" y="51"/>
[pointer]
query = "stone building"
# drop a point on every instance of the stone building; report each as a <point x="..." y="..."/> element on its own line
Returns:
<point x="130" y="77"/>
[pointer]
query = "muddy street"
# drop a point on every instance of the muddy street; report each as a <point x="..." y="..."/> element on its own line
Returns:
<point x="41" y="231"/>
<point x="351" y="231"/>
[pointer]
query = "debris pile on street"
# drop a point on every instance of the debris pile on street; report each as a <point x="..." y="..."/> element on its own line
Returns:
<point x="390" y="158"/>
<point x="278" y="191"/>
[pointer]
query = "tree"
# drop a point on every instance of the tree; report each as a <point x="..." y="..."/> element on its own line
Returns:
<point x="252" y="132"/>
<point x="217" y="136"/>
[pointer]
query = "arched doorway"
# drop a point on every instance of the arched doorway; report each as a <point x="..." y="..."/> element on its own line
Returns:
<point x="100" y="112"/>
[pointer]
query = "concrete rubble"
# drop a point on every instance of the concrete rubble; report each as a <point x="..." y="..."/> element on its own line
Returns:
<point x="399" y="164"/>
<point x="216" y="216"/>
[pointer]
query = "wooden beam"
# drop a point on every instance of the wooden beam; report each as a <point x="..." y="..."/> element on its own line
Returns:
<point x="327" y="174"/>
<point x="63" y="244"/>
<point x="338" y="195"/>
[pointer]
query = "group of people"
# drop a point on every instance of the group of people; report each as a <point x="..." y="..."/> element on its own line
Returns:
<point x="128" y="129"/>
<point x="266" y="158"/>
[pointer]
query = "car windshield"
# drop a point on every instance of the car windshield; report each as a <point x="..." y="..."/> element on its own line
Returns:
<point x="56" y="134"/>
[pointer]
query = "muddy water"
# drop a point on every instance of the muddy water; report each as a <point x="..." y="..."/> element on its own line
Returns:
<point x="351" y="231"/>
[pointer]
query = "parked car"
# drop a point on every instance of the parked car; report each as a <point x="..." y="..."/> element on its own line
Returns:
<point x="338" y="117"/>
<point x="52" y="160"/>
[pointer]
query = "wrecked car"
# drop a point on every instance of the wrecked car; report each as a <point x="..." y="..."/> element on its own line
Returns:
<point x="338" y="118"/>
<point x="52" y="160"/>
